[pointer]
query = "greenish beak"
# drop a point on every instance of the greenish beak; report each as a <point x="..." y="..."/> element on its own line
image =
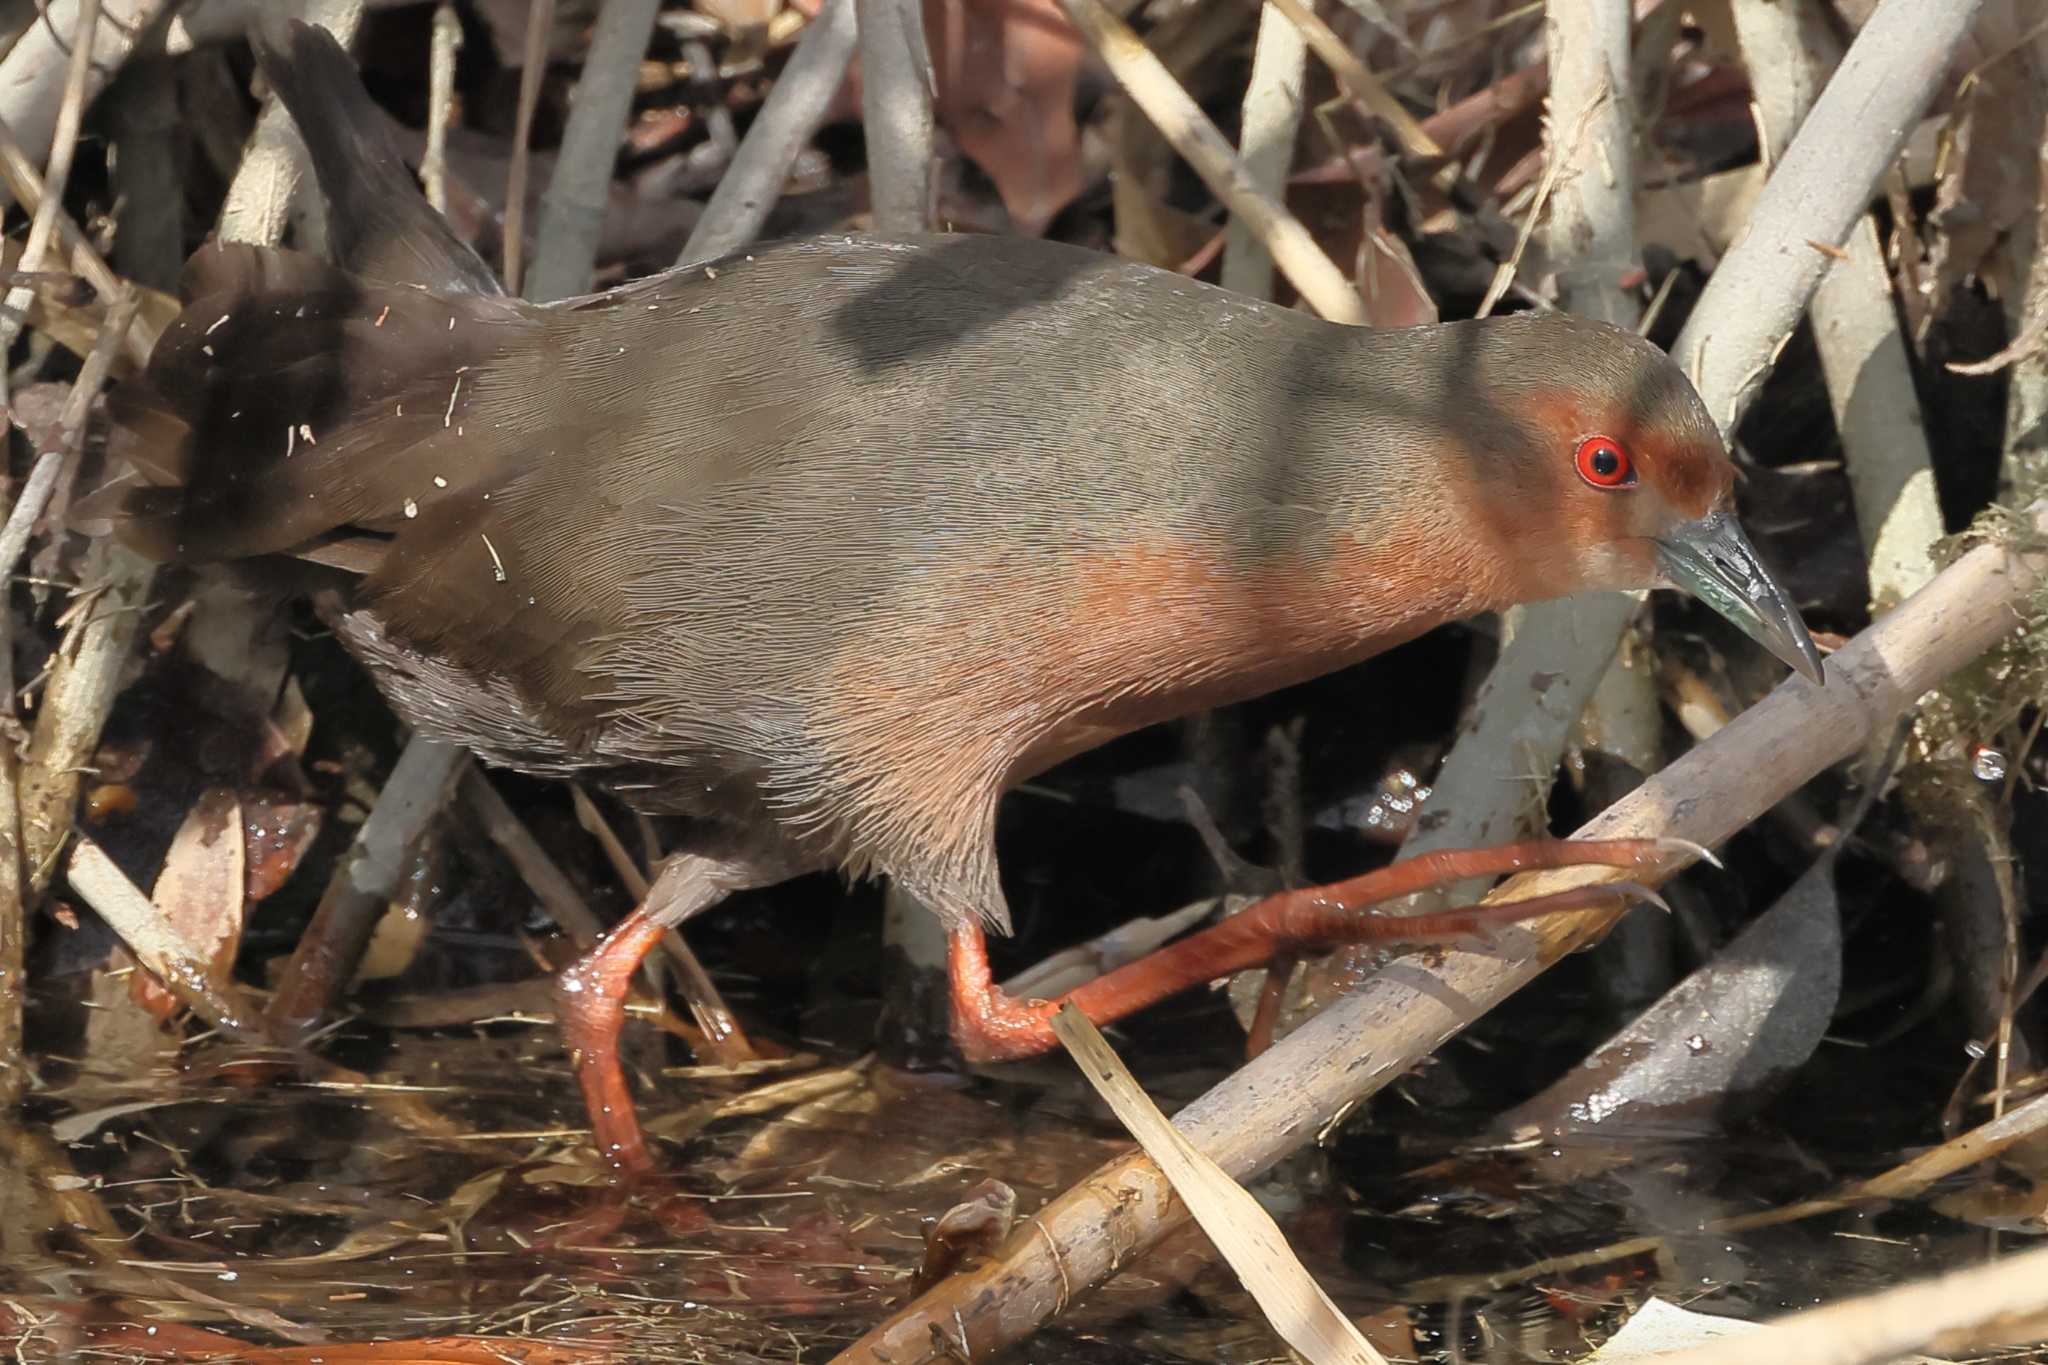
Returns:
<point x="1712" y="559"/>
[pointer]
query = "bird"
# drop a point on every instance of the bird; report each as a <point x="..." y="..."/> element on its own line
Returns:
<point x="825" y="545"/>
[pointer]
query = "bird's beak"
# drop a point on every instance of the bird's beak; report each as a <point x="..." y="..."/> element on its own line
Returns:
<point x="1712" y="559"/>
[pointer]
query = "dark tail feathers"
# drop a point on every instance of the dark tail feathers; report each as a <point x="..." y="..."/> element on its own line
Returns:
<point x="381" y="226"/>
<point x="290" y="401"/>
<point x="293" y="399"/>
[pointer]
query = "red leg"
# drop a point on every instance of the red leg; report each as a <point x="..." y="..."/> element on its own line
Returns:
<point x="590" y="1001"/>
<point x="990" y="1026"/>
<point x="1272" y="995"/>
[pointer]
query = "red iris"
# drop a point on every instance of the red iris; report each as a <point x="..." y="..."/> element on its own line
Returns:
<point x="1604" y="464"/>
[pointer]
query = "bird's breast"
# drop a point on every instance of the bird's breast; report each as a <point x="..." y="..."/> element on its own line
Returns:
<point x="1167" y="629"/>
<point x="1035" y="660"/>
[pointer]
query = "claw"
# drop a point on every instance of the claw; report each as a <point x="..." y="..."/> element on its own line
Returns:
<point x="1636" y="891"/>
<point x="1673" y="844"/>
<point x="1478" y="937"/>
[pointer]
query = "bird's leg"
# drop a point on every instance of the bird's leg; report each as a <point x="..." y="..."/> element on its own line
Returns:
<point x="1272" y="995"/>
<point x="991" y="1026"/>
<point x="590" y="999"/>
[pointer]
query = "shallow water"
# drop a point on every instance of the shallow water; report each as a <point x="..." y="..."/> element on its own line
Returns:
<point x="791" y="1214"/>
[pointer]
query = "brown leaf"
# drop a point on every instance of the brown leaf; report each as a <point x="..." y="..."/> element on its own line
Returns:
<point x="276" y="833"/>
<point x="739" y="16"/>
<point x="969" y="1231"/>
<point x="1006" y="74"/>
<point x="201" y="890"/>
<point x="1991" y="183"/>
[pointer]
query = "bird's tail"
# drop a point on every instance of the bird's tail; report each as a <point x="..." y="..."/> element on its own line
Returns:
<point x="292" y="399"/>
<point x="381" y="227"/>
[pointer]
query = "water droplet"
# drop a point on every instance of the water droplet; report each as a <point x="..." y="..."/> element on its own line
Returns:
<point x="1987" y="763"/>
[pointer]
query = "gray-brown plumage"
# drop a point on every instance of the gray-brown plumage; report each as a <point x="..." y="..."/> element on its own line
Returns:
<point x="829" y="543"/>
<point x="857" y="532"/>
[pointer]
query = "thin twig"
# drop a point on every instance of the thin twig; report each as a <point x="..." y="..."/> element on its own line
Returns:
<point x="896" y="113"/>
<point x="63" y="147"/>
<point x="540" y="21"/>
<point x="26" y="184"/>
<point x="23" y="516"/>
<point x="71" y="427"/>
<point x="15" y="1073"/>
<point x="1181" y="121"/>
<point x="1571" y="151"/>
<point x="1357" y="79"/>
<point x="53" y="466"/>
<point x="369" y="876"/>
<point x="572" y="211"/>
<point x="792" y="112"/>
<point x="158" y="945"/>
<point x="629" y="872"/>
<point x="1273" y="103"/>
<point x="447" y="41"/>
<point x="550" y="886"/>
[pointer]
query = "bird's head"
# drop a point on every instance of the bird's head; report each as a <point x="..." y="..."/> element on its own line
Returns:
<point x="1605" y="466"/>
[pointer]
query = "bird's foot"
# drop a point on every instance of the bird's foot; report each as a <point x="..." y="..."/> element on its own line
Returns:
<point x="991" y="1026"/>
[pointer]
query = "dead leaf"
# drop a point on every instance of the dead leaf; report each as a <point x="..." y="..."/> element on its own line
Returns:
<point x="969" y="1231"/>
<point x="1296" y="1306"/>
<point x="1006" y="75"/>
<point x="201" y="891"/>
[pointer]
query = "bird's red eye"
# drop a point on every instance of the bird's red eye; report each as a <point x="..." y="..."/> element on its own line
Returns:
<point x="1604" y="464"/>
